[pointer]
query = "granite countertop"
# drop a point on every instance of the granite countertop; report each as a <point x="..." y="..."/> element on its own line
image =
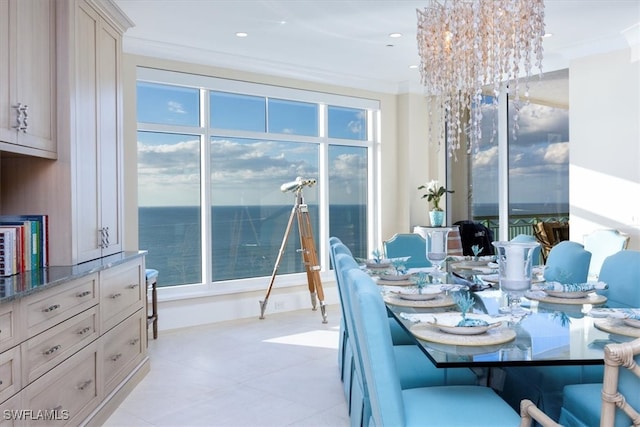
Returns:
<point x="30" y="282"/>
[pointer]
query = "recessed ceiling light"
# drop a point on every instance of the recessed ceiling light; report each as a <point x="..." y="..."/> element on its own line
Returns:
<point x="413" y="66"/>
<point x="241" y="34"/>
<point x="547" y="35"/>
<point x="395" y="35"/>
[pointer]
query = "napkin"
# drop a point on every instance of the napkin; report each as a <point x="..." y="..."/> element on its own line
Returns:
<point x="432" y="317"/>
<point x="569" y="287"/>
<point x="616" y="313"/>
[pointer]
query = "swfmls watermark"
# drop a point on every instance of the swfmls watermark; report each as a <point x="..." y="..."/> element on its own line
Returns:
<point x="35" y="415"/>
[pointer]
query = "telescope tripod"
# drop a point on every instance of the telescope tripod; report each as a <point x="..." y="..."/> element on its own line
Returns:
<point x="309" y="256"/>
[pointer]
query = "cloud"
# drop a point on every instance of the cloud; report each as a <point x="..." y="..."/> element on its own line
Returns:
<point x="176" y="107"/>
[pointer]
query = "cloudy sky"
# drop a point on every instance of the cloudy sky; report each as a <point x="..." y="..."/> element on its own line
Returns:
<point x="251" y="171"/>
<point x="538" y="157"/>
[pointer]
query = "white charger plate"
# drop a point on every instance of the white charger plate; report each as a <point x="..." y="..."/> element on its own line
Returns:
<point x="414" y="294"/>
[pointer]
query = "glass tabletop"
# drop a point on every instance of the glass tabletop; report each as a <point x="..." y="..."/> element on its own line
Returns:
<point x="551" y="334"/>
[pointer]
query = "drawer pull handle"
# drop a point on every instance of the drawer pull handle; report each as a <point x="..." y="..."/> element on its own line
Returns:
<point x="84" y="331"/>
<point x="83" y="294"/>
<point x="115" y="357"/>
<point x="134" y="341"/>
<point x="0" y="382"/>
<point x="114" y="296"/>
<point x="52" y="350"/>
<point x="85" y="384"/>
<point x="51" y="308"/>
<point x="133" y="285"/>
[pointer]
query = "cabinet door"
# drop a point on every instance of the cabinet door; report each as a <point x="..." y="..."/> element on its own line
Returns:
<point x="110" y="137"/>
<point x="86" y="137"/>
<point x="27" y="75"/>
<point x="35" y="71"/>
<point x="7" y="116"/>
<point x="98" y="137"/>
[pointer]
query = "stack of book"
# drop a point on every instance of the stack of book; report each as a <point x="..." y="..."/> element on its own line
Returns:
<point x="23" y="243"/>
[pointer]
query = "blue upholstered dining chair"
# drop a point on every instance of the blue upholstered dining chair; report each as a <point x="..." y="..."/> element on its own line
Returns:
<point x="621" y="273"/>
<point x="578" y="405"/>
<point x="408" y="244"/>
<point x="601" y="244"/>
<point x="414" y="369"/>
<point x="335" y="244"/>
<point x="567" y="262"/>
<point x="527" y="238"/>
<point x="393" y="405"/>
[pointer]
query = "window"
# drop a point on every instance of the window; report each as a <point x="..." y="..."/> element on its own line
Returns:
<point x="538" y="165"/>
<point x="212" y="156"/>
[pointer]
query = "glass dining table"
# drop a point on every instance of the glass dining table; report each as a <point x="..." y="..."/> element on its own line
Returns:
<point x="550" y="333"/>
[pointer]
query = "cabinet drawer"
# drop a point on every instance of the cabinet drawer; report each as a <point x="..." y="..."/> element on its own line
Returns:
<point x="122" y="293"/>
<point x="11" y="411"/>
<point x="48" y="308"/>
<point x="69" y="392"/>
<point x="9" y="325"/>
<point x="10" y="382"/>
<point x="124" y="347"/>
<point x="44" y="351"/>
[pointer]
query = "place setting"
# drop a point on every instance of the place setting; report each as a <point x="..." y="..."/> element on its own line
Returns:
<point x="461" y="328"/>
<point x="567" y="293"/>
<point x="621" y="321"/>
<point x="421" y="294"/>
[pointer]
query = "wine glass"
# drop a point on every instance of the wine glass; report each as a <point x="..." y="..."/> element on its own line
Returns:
<point x="515" y="261"/>
<point x="437" y="238"/>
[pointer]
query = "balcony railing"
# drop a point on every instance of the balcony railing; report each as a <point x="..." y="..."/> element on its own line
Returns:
<point x="519" y="224"/>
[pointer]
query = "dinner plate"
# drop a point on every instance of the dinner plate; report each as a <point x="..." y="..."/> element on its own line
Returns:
<point x="634" y="323"/>
<point x="465" y="330"/>
<point x="571" y="295"/>
<point x="378" y="265"/>
<point x="395" y="277"/>
<point x="414" y="294"/>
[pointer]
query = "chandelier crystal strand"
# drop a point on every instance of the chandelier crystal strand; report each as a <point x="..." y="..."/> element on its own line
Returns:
<point x="465" y="45"/>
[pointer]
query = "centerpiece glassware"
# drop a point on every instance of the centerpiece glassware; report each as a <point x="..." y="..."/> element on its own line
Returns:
<point x="515" y="260"/>
<point x="437" y="238"/>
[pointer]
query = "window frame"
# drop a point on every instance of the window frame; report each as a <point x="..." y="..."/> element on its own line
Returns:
<point x="324" y="100"/>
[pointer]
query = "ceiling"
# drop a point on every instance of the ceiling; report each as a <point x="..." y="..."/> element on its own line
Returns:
<point x="345" y="42"/>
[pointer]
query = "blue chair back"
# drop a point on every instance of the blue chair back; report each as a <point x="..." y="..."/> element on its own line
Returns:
<point x="527" y="238"/>
<point x="601" y="244"/>
<point x="621" y="272"/>
<point x="408" y="244"/>
<point x="376" y="348"/>
<point x="568" y="262"/>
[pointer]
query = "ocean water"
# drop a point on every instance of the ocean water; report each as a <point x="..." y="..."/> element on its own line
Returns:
<point x="245" y="240"/>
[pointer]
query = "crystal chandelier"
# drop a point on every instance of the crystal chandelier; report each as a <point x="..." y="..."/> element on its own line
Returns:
<point x="465" y="45"/>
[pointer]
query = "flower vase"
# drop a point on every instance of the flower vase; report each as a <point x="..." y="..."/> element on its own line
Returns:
<point x="436" y="218"/>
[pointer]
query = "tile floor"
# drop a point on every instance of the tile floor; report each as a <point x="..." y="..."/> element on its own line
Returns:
<point x="279" y="371"/>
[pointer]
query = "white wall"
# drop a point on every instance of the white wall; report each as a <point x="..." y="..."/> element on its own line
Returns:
<point x="604" y="174"/>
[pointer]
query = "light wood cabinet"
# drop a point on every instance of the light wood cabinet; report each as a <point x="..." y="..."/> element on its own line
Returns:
<point x="70" y="392"/>
<point x="70" y="364"/>
<point x="46" y="309"/>
<point x="81" y="191"/>
<point x="124" y="348"/>
<point x="43" y="352"/>
<point x="10" y="365"/>
<point x="27" y="77"/>
<point x="9" y="325"/>
<point x="122" y="292"/>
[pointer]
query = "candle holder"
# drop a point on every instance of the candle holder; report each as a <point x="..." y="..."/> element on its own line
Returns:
<point x="437" y="238"/>
<point x="515" y="261"/>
